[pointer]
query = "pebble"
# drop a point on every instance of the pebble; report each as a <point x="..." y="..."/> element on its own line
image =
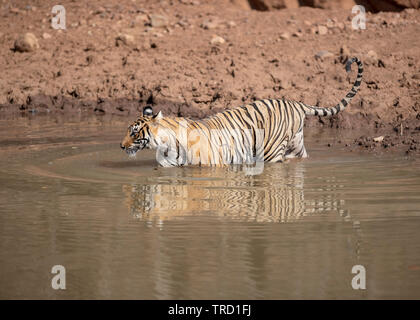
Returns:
<point x="142" y="18"/>
<point x="285" y="36"/>
<point x="372" y="57"/>
<point x="330" y="23"/>
<point x="344" y="54"/>
<point x="217" y="40"/>
<point x="182" y="23"/>
<point x="100" y="10"/>
<point x="14" y="10"/>
<point x="322" y="30"/>
<point x="46" y="36"/>
<point x="378" y="139"/>
<point x="344" y="51"/>
<point x="158" y="21"/>
<point x="126" y="39"/>
<point x="26" y="43"/>
<point x="209" y="24"/>
<point x="340" y="25"/>
<point x="372" y="54"/>
<point x="190" y="2"/>
<point x="323" y="54"/>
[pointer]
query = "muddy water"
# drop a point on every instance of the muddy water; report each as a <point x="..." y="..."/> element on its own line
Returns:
<point x="126" y="228"/>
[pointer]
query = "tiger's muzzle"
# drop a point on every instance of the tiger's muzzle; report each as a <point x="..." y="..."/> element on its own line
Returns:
<point x="137" y="145"/>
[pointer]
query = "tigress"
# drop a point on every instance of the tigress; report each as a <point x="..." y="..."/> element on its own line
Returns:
<point x="284" y="201"/>
<point x="269" y="130"/>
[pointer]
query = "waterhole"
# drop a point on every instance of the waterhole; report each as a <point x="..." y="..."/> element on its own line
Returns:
<point x="128" y="228"/>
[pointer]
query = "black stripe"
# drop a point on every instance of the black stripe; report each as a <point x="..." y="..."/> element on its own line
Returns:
<point x="259" y="112"/>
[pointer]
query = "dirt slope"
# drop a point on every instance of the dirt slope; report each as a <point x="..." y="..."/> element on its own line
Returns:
<point x="194" y="58"/>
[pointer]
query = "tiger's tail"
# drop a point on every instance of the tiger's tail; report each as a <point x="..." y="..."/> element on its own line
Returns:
<point x="329" y="111"/>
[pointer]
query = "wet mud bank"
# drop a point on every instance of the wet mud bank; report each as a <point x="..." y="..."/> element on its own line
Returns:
<point x="190" y="59"/>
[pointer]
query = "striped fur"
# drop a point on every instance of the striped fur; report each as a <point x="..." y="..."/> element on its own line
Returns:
<point x="269" y="130"/>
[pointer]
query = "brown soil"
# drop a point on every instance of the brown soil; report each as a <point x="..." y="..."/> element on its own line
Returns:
<point x="93" y="67"/>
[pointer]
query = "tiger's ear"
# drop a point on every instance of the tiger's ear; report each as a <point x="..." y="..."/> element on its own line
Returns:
<point x="158" y="116"/>
<point x="147" y="111"/>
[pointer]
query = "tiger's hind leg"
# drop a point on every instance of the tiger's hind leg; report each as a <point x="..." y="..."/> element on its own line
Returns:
<point x="296" y="148"/>
<point x="277" y="154"/>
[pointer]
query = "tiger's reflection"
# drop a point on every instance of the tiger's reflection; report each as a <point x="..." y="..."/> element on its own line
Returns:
<point x="276" y="195"/>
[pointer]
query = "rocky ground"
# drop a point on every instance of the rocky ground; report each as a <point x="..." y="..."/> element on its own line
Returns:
<point x="194" y="57"/>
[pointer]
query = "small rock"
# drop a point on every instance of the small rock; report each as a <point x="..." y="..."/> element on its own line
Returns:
<point x="340" y="25"/>
<point x="330" y="24"/>
<point x="14" y="10"/>
<point x="322" y="30"/>
<point x="142" y="18"/>
<point x="158" y="21"/>
<point x="285" y="36"/>
<point x="344" y="51"/>
<point x="323" y="55"/>
<point x="182" y="23"/>
<point x="89" y="59"/>
<point x="378" y="139"/>
<point x="344" y="54"/>
<point x="297" y="34"/>
<point x="46" y="36"/>
<point x="217" y="40"/>
<point x="126" y="39"/>
<point x="100" y="10"/>
<point x="209" y="24"/>
<point x="372" y="54"/>
<point x="372" y="58"/>
<point x="89" y="47"/>
<point x="26" y="43"/>
<point x="190" y="2"/>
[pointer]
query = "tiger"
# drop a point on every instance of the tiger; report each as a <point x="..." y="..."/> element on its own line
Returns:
<point x="268" y="130"/>
<point x="217" y="192"/>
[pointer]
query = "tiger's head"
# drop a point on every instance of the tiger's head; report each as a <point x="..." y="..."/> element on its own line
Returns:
<point x="139" y="134"/>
